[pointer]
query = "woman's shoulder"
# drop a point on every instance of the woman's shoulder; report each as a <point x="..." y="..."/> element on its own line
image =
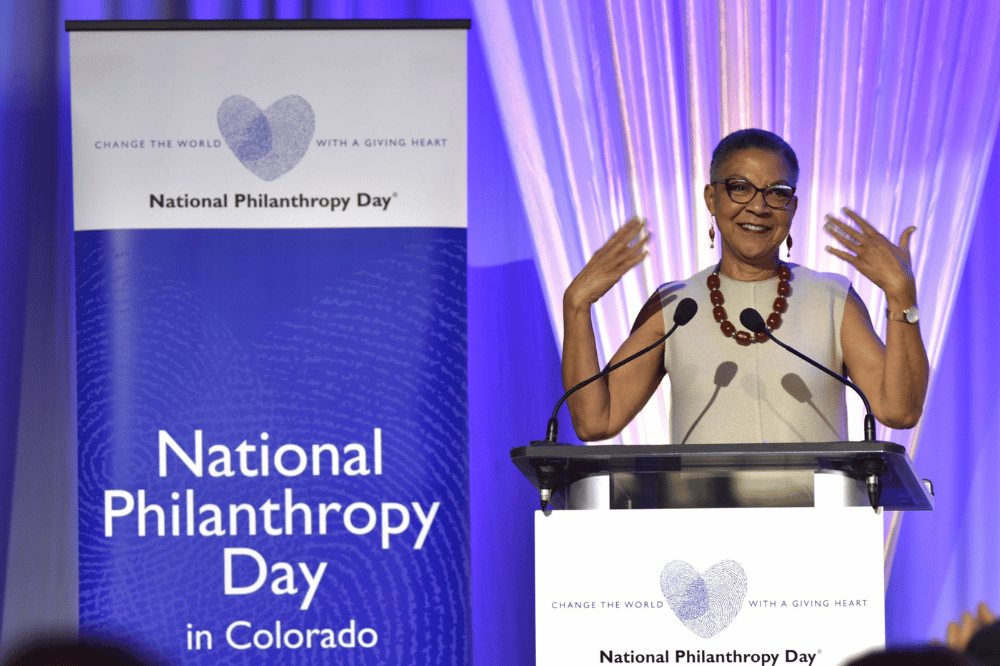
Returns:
<point x="833" y="282"/>
<point x="667" y="293"/>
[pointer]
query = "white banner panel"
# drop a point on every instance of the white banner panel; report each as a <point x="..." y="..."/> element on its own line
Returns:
<point x="271" y="346"/>
<point x="696" y="586"/>
<point x="364" y="129"/>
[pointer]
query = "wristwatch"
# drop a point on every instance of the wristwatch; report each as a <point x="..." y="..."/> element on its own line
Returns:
<point x="910" y="315"/>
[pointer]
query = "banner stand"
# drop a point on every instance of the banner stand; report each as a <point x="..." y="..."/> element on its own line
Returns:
<point x="270" y="238"/>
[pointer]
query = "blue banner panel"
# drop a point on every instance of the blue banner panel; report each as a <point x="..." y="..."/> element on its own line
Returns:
<point x="273" y="444"/>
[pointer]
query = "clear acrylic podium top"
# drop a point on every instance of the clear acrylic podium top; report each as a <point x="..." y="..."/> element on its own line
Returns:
<point x="723" y="475"/>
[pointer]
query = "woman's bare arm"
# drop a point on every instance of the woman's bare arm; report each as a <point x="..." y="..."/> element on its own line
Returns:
<point x="893" y="375"/>
<point x="603" y="408"/>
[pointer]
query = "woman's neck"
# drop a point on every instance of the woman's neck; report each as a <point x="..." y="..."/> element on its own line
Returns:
<point x="746" y="272"/>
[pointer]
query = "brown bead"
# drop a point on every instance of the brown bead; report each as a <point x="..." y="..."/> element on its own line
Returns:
<point x="760" y="336"/>
<point x="728" y="329"/>
<point x="774" y="321"/>
<point x="784" y="289"/>
<point x="784" y="273"/>
<point x="713" y="281"/>
<point x="719" y="313"/>
<point x="743" y="337"/>
<point x="717" y="297"/>
<point x="780" y="304"/>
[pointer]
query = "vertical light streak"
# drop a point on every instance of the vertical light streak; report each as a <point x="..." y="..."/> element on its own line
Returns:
<point x="657" y="184"/>
<point x="636" y="431"/>
<point x="641" y="91"/>
<point x="559" y="107"/>
<point x="641" y="97"/>
<point x="607" y="328"/>
<point x="635" y="285"/>
<point x="870" y="188"/>
<point x="766" y="68"/>
<point x="727" y="125"/>
<point x="845" y="37"/>
<point x="902" y="135"/>
<point x="856" y="176"/>
<point x="623" y="111"/>
<point x="525" y="144"/>
<point x="818" y="138"/>
<point x="698" y="146"/>
<point x="786" y="110"/>
<point x="682" y="260"/>
<point x="745" y="98"/>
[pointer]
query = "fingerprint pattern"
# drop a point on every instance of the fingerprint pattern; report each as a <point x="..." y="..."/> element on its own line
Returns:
<point x="271" y="142"/>
<point x="312" y="336"/>
<point x="706" y="603"/>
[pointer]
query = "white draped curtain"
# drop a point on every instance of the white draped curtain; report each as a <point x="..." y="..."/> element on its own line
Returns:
<point x="613" y="107"/>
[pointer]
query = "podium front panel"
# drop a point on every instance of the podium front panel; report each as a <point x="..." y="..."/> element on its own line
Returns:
<point x="694" y="586"/>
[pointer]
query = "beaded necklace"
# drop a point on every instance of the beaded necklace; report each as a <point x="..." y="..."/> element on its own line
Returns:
<point x="773" y="322"/>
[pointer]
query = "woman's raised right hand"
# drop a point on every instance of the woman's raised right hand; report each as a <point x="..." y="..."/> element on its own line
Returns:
<point x="623" y="251"/>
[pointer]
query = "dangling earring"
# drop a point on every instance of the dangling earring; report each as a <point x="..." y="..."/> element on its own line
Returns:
<point x="788" y="243"/>
<point x="711" y="235"/>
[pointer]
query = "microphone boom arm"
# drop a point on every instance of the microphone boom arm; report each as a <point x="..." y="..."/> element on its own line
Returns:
<point x="869" y="419"/>
<point x="552" y="431"/>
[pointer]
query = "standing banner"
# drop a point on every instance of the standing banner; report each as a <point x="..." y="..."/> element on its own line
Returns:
<point x="270" y="230"/>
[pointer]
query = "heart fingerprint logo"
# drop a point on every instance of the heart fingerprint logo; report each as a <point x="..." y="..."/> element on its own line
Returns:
<point x="271" y="142"/>
<point x="706" y="603"/>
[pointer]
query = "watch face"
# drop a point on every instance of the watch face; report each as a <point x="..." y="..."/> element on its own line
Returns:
<point x="912" y="315"/>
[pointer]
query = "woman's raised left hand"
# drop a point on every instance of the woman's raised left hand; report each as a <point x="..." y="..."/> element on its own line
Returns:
<point x="875" y="256"/>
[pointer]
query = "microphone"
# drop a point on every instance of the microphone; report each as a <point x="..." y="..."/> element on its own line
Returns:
<point x="685" y="312"/>
<point x="751" y="319"/>
<point x="872" y="469"/>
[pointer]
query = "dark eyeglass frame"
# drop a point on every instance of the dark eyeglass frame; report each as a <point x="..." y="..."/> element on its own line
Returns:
<point x="762" y="190"/>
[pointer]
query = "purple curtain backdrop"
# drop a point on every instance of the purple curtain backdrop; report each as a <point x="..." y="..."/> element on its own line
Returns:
<point x="943" y="561"/>
<point x="946" y="560"/>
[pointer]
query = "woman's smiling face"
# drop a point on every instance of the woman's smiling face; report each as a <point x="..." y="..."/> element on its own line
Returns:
<point x="751" y="232"/>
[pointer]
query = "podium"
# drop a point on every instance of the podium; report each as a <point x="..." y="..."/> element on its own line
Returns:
<point x="724" y="553"/>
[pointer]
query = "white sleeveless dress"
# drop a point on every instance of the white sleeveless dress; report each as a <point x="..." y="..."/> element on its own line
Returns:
<point x="722" y="392"/>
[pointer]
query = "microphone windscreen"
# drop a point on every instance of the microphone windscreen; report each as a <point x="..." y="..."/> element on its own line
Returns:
<point x="685" y="312"/>
<point x="751" y="319"/>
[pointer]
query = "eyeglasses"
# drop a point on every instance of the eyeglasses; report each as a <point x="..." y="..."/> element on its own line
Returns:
<point x="742" y="191"/>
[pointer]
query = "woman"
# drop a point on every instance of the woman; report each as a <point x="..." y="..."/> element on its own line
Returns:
<point x="726" y="386"/>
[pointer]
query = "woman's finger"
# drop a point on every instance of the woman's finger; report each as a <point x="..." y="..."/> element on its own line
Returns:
<point x="623" y="266"/>
<point x="845" y="234"/>
<point x="641" y="238"/>
<point x="640" y="244"/>
<point x="967" y="628"/>
<point x="866" y="229"/>
<point x="985" y="614"/>
<point x="845" y="228"/>
<point x="846" y="256"/>
<point x="621" y="263"/>
<point x="621" y="240"/>
<point x="635" y="262"/>
<point x="625" y="234"/>
<point x="953" y="636"/>
<point x="629" y="246"/>
<point x="904" y="239"/>
<point x="617" y="257"/>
